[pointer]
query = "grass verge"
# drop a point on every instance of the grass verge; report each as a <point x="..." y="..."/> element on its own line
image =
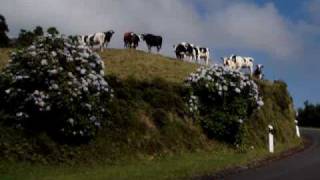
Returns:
<point x="180" y="166"/>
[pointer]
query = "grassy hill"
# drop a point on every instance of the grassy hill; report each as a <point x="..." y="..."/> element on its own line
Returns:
<point x="145" y="66"/>
<point x="149" y="135"/>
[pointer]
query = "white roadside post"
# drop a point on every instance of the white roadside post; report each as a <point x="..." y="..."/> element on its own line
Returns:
<point x="297" y="128"/>
<point x="271" y="140"/>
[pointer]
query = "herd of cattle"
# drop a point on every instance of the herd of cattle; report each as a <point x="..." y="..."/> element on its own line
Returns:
<point x="184" y="51"/>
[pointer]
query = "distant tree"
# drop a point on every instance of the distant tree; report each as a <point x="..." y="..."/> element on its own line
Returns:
<point x="52" y="31"/>
<point x="25" y="38"/>
<point x="38" y="31"/>
<point x="4" y="40"/>
<point x="309" y="115"/>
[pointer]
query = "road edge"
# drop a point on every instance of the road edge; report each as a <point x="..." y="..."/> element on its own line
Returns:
<point x="306" y="143"/>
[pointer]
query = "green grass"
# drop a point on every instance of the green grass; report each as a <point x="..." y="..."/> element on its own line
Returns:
<point x="143" y="66"/>
<point x="170" y="167"/>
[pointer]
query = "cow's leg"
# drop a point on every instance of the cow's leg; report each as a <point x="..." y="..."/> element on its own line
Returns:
<point x="149" y="49"/>
<point x="182" y="57"/>
<point x="101" y="46"/>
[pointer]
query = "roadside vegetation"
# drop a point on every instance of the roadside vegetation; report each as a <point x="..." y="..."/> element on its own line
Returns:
<point x="144" y="128"/>
<point x="309" y="115"/>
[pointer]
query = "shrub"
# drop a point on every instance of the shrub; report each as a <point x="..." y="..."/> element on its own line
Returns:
<point x="52" y="31"/>
<point x="56" y="85"/>
<point x="223" y="99"/>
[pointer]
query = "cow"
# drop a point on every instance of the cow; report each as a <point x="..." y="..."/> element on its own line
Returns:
<point x="184" y="50"/>
<point x="152" y="41"/>
<point x="180" y="51"/>
<point x="258" y="72"/>
<point x="190" y="52"/>
<point x="237" y="62"/>
<point x="202" y="53"/>
<point x="229" y="63"/>
<point x="131" y="40"/>
<point x="102" y="39"/>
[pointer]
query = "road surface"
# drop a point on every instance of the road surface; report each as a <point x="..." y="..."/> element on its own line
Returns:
<point x="304" y="165"/>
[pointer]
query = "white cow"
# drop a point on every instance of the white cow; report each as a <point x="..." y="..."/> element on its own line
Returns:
<point x="101" y="39"/>
<point x="237" y="62"/>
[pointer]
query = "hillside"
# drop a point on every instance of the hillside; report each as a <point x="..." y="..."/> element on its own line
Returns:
<point x="148" y="124"/>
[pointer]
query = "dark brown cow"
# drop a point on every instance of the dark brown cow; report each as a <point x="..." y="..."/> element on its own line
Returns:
<point x="131" y="40"/>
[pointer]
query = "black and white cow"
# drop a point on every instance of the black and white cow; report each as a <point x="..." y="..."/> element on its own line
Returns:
<point x="202" y="53"/>
<point x="194" y="53"/>
<point x="131" y="40"/>
<point x="190" y="51"/>
<point x="184" y="50"/>
<point x="152" y="41"/>
<point x="101" y="39"/>
<point x="238" y="62"/>
<point x="180" y="51"/>
<point x="258" y="72"/>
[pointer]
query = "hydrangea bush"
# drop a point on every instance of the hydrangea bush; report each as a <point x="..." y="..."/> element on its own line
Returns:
<point x="223" y="98"/>
<point x="56" y="85"/>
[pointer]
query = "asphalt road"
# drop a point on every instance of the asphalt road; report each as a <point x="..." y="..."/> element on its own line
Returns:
<point x="304" y="165"/>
